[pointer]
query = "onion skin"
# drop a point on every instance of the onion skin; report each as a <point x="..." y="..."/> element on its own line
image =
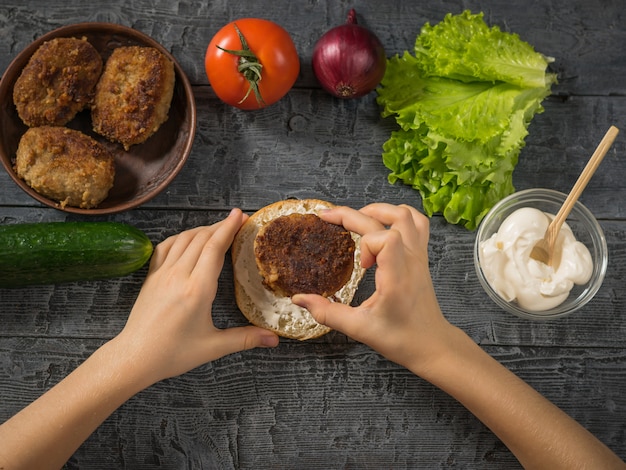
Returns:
<point x="349" y="60"/>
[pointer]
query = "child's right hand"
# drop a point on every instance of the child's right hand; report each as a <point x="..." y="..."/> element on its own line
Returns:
<point x="402" y="319"/>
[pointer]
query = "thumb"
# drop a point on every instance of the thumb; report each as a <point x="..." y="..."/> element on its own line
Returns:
<point x="335" y="315"/>
<point x="232" y="340"/>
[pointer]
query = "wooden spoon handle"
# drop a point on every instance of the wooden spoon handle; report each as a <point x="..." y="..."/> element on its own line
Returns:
<point x="581" y="183"/>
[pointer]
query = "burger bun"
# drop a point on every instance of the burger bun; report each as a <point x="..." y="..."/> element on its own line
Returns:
<point x="260" y="305"/>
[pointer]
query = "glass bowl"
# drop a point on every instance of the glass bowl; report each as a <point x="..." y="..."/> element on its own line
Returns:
<point x="585" y="228"/>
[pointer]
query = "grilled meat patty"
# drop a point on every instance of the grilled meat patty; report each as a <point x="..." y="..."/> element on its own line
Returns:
<point x="301" y="253"/>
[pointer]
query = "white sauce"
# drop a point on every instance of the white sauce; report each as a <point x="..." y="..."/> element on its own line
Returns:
<point x="506" y="263"/>
<point x="272" y="306"/>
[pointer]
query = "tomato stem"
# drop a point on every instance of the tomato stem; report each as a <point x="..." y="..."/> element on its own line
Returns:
<point x="249" y="66"/>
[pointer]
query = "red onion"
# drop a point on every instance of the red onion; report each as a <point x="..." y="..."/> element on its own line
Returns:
<point x="349" y="61"/>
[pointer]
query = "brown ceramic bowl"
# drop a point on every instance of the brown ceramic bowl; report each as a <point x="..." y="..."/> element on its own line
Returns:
<point x="145" y="169"/>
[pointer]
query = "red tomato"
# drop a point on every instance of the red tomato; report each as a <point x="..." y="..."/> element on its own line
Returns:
<point x="274" y="50"/>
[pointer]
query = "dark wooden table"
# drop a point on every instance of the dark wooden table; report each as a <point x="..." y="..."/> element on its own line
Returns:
<point x="332" y="402"/>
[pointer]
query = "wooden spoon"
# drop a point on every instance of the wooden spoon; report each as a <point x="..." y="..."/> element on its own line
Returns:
<point x="544" y="249"/>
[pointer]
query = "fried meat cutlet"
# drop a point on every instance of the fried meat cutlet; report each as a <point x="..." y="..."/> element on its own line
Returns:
<point x="65" y="165"/>
<point x="57" y="82"/>
<point x="133" y="95"/>
<point x="301" y="253"/>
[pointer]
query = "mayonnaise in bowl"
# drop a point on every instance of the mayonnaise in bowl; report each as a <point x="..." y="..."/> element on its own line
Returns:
<point x="516" y="277"/>
<point x="523" y="286"/>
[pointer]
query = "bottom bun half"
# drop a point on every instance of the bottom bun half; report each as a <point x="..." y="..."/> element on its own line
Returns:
<point x="261" y="306"/>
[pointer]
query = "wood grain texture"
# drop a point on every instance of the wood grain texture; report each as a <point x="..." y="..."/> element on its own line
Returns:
<point x="99" y="309"/>
<point x="307" y="405"/>
<point x="332" y="403"/>
<point x="316" y="146"/>
<point x="581" y="36"/>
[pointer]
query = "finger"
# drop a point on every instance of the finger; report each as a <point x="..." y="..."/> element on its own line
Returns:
<point x="407" y="219"/>
<point x="211" y="259"/>
<point x="190" y="245"/>
<point x="160" y="254"/>
<point x="335" y="315"/>
<point x="351" y="219"/>
<point x="241" y="338"/>
<point x="389" y="214"/>
<point x="162" y="250"/>
<point x="385" y="248"/>
<point x="172" y="248"/>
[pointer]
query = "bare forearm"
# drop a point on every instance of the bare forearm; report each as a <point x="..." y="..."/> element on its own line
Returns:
<point x="536" y="431"/>
<point x="47" y="432"/>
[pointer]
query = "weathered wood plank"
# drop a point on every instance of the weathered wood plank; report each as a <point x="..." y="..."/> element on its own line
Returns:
<point x="99" y="309"/>
<point x="580" y="35"/>
<point x="311" y="145"/>
<point x="307" y="405"/>
<point x="332" y="402"/>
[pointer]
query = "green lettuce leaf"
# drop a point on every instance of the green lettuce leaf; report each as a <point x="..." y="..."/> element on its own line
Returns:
<point x="463" y="47"/>
<point x="463" y="106"/>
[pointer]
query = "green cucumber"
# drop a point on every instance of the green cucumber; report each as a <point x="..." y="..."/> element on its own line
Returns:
<point x="57" y="252"/>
